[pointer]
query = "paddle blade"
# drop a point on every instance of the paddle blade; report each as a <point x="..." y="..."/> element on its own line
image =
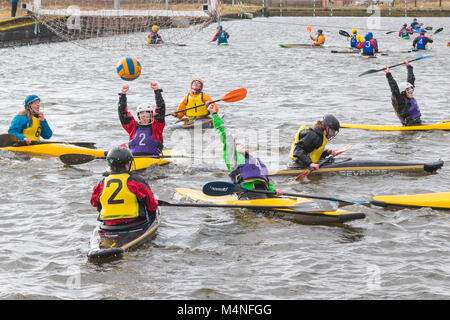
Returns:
<point x="437" y="31"/>
<point x="7" y="140"/>
<point x="309" y="29"/>
<point x="235" y="95"/>
<point x="423" y="57"/>
<point x="369" y="72"/>
<point x="344" y="33"/>
<point x="344" y="149"/>
<point x="302" y="175"/>
<point x="75" y="158"/>
<point x="220" y="188"/>
<point x="389" y="32"/>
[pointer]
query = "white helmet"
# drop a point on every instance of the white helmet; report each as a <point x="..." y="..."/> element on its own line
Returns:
<point x="405" y="85"/>
<point x="143" y="108"/>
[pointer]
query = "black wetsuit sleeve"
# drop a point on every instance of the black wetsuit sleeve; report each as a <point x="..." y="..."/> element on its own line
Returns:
<point x="411" y="78"/>
<point x="124" y="116"/>
<point x="393" y="85"/>
<point x="160" y="107"/>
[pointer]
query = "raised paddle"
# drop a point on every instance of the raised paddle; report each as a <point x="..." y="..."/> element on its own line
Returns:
<point x="437" y="31"/>
<point x="78" y="158"/>
<point x="232" y="96"/>
<point x="395" y="65"/>
<point x="10" y="140"/>
<point x="328" y="159"/>
<point x="221" y="188"/>
<point x="344" y="33"/>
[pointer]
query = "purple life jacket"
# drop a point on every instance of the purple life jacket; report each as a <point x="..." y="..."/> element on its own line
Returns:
<point x="414" y="111"/>
<point x="143" y="143"/>
<point x="253" y="168"/>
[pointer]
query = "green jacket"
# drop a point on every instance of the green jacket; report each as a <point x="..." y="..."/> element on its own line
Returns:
<point x="233" y="159"/>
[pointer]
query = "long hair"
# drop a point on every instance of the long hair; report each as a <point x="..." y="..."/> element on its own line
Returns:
<point x="319" y="125"/>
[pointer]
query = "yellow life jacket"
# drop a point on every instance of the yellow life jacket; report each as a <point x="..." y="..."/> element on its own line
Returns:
<point x="195" y="100"/>
<point x="34" y="131"/>
<point x="315" y="154"/>
<point x="117" y="201"/>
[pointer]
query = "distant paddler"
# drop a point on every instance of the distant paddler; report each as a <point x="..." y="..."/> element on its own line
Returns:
<point x="221" y="36"/>
<point x="145" y="133"/>
<point x="405" y="32"/>
<point x="309" y="143"/>
<point x="370" y="46"/>
<point x="154" y="37"/>
<point x="319" y="40"/>
<point x="30" y="124"/>
<point x="415" y="24"/>
<point x="405" y="105"/>
<point x="421" y="41"/>
<point x="196" y="97"/>
<point x="355" y="39"/>
<point x="245" y="170"/>
<point x="123" y="197"/>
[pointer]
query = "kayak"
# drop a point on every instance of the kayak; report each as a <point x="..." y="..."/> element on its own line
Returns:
<point x="49" y="149"/>
<point x="299" y="45"/>
<point x="223" y="44"/>
<point x="298" y="209"/>
<point x="113" y="241"/>
<point x="350" y="167"/>
<point x="163" y="44"/>
<point x="142" y="162"/>
<point x="444" y="125"/>
<point x="205" y="123"/>
<point x="440" y="200"/>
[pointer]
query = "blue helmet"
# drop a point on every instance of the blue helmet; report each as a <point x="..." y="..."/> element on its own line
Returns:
<point x="30" y="99"/>
<point x="368" y="36"/>
<point x="422" y="31"/>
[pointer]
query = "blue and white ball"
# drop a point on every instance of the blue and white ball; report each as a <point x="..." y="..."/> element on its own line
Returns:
<point x="129" y="68"/>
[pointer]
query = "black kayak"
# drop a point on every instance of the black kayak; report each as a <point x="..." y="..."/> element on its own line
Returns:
<point x="113" y="241"/>
<point x="365" y="167"/>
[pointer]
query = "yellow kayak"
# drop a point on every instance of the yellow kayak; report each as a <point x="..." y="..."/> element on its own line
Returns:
<point x="444" y="125"/>
<point x="303" y="210"/>
<point x="440" y="200"/>
<point x="54" y="150"/>
<point x="141" y="163"/>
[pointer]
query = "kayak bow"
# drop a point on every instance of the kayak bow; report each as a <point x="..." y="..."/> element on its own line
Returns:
<point x="444" y="125"/>
<point x="440" y="200"/>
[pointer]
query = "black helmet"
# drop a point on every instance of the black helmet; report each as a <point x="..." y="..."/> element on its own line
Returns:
<point x="118" y="157"/>
<point x="330" y="121"/>
<point x="320" y="31"/>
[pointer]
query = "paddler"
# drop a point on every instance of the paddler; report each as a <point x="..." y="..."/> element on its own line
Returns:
<point x="405" y="105"/>
<point x="154" y="37"/>
<point x="405" y="32"/>
<point x="30" y="124"/>
<point x="415" y="24"/>
<point x="319" y="40"/>
<point x="123" y="197"/>
<point x="309" y="144"/>
<point x="421" y="41"/>
<point x="370" y="46"/>
<point x="145" y="134"/>
<point x="355" y="39"/>
<point x="221" y="36"/>
<point x="245" y="170"/>
<point x="195" y="97"/>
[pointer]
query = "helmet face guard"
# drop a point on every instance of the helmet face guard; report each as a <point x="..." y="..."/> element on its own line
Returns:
<point x="330" y="122"/>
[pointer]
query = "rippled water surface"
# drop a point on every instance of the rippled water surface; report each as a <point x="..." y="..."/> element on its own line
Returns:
<point x="199" y="253"/>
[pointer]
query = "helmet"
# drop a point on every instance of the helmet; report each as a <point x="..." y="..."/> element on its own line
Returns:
<point x="142" y="108"/>
<point x="368" y="36"/>
<point x="118" y="157"/>
<point x="30" y="99"/>
<point x="354" y="31"/>
<point x="405" y="85"/>
<point x="155" y="28"/>
<point x="330" y="121"/>
<point x="422" y="31"/>
<point x="320" y="31"/>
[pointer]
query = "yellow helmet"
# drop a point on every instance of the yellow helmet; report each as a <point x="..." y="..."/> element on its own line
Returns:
<point x="354" y="31"/>
<point x="197" y="79"/>
<point x="155" y="28"/>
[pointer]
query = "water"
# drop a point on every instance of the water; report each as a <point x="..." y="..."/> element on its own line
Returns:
<point x="47" y="220"/>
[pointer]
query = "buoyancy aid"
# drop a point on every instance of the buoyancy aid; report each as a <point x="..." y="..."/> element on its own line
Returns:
<point x="368" y="47"/>
<point x="315" y="154"/>
<point x="117" y="201"/>
<point x="143" y="143"/>
<point x="34" y="131"/>
<point x="353" y="41"/>
<point x="252" y="170"/>
<point x="421" y="43"/>
<point x="414" y="111"/>
<point x="196" y="100"/>
<point x="222" y="37"/>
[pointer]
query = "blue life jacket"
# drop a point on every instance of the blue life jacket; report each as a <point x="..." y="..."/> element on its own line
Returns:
<point x="353" y="41"/>
<point x="421" y="43"/>
<point x="368" y="48"/>
<point x="222" y="37"/>
<point x="253" y="168"/>
<point x="143" y="143"/>
<point x="414" y="111"/>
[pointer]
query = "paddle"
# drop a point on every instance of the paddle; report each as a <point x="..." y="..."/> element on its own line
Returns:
<point x="395" y="65"/>
<point x="10" y="140"/>
<point x="344" y="33"/>
<point x="232" y="96"/>
<point x="437" y="31"/>
<point x="308" y="171"/>
<point x="78" y="158"/>
<point x="221" y="188"/>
